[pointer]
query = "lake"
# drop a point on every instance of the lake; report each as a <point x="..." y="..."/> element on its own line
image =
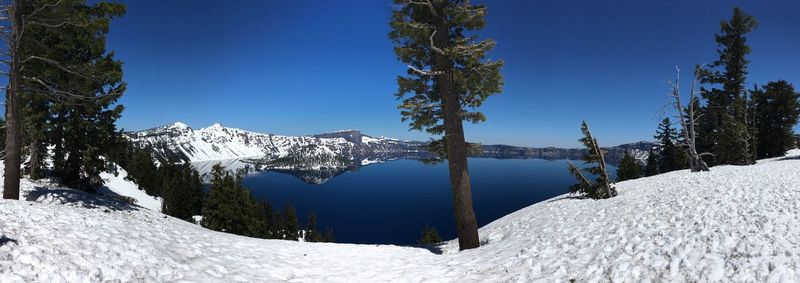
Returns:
<point x="391" y="202"/>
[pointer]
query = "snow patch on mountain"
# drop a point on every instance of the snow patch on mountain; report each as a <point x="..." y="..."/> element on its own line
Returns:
<point x="216" y="142"/>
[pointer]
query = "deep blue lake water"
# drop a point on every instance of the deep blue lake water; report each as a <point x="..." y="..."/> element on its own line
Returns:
<point x="390" y="203"/>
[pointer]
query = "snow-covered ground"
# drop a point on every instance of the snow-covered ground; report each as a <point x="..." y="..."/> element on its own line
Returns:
<point x="736" y="223"/>
<point x="116" y="184"/>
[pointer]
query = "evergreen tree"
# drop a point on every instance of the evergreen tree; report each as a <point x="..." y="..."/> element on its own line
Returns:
<point x="651" y="168"/>
<point x="290" y="225"/>
<point x="311" y="234"/>
<point x="66" y="70"/>
<point x="723" y="124"/>
<point x="56" y="53"/>
<point x="670" y="156"/>
<point x="601" y="188"/>
<point x="230" y="207"/>
<point x="182" y="191"/>
<point x="629" y="168"/>
<point x="271" y="229"/>
<point x="429" y="236"/>
<point x="776" y="110"/>
<point x="329" y="237"/>
<point x="447" y="78"/>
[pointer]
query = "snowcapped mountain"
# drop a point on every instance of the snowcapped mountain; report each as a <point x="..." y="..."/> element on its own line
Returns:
<point x="325" y="151"/>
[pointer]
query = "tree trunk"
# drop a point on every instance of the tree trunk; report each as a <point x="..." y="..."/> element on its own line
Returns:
<point x="466" y="223"/>
<point x="12" y="161"/>
<point x="34" y="164"/>
<point x="13" y="146"/>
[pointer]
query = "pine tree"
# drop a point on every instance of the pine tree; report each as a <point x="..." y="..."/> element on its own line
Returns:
<point x="291" y="226"/>
<point x="776" y="110"/>
<point x="629" y="168"/>
<point x="651" y="168"/>
<point x="181" y="191"/>
<point x="723" y="124"/>
<point x="311" y="233"/>
<point x="429" y="236"/>
<point x="601" y="188"/>
<point x="329" y="237"/>
<point x="61" y="65"/>
<point x="216" y="213"/>
<point x="670" y="156"/>
<point x="447" y="78"/>
<point x="38" y="36"/>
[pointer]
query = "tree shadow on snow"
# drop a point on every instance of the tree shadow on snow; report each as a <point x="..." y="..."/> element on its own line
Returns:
<point x="436" y="249"/>
<point x="77" y="198"/>
<point x="5" y="240"/>
<point x="790" y="158"/>
<point x="567" y="198"/>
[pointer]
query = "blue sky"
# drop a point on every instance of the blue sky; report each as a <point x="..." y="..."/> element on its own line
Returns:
<point x="305" y="67"/>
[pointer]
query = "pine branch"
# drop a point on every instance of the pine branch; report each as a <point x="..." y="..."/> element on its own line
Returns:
<point x="577" y="172"/>
<point x="425" y="3"/>
<point x="426" y="72"/>
<point x="56" y="64"/>
<point x="433" y="46"/>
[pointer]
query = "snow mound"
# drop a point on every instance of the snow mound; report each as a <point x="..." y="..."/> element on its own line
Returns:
<point x="736" y="223"/>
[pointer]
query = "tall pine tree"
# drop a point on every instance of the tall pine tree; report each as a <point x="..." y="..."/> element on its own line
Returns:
<point x="723" y="124"/>
<point x="448" y="77"/>
<point x="57" y="55"/>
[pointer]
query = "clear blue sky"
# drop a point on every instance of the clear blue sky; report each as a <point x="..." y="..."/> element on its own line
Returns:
<point x="305" y="67"/>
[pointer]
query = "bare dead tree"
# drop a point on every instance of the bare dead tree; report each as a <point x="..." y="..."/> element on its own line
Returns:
<point x="688" y="120"/>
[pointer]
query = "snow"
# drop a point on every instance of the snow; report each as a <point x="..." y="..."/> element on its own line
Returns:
<point x="735" y="223"/>
<point x="218" y="143"/>
<point x="366" y="139"/>
<point x="368" y="161"/>
<point x="180" y="125"/>
<point x="117" y="184"/>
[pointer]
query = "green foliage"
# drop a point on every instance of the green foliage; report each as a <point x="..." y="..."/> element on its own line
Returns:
<point x="311" y="234"/>
<point x="182" y="189"/>
<point x="629" y="168"/>
<point x="723" y="127"/>
<point x="439" y="149"/>
<point x="291" y="228"/>
<point x="601" y="188"/>
<point x="230" y="207"/>
<point x="329" y="237"/>
<point x="776" y="110"/>
<point x="462" y="60"/>
<point x="651" y="167"/>
<point x="670" y="156"/>
<point x="70" y="85"/>
<point x="429" y="236"/>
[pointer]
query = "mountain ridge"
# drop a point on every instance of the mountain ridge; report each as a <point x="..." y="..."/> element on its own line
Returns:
<point x="181" y="143"/>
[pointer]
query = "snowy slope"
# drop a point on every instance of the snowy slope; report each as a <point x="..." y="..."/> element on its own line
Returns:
<point x="736" y="223"/>
<point x="116" y="184"/>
